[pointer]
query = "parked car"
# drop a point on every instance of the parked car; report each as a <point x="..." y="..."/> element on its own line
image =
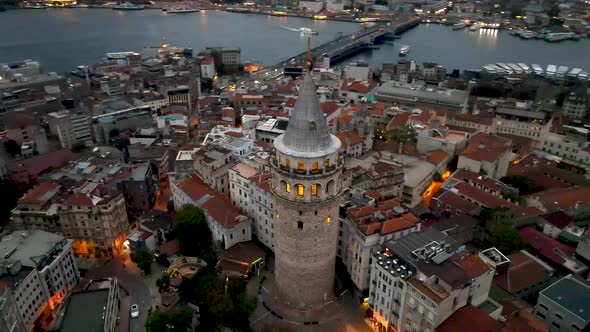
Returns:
<point x="134" y="311"/>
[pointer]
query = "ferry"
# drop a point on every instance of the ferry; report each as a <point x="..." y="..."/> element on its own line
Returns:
<point x="459" y="26"/>
<point x="561" y="71"/>
<point x="181" y="10"/>
<point x="537" y="69"/>
<point x="35" y="6"/>
<point x="515" y="68"/>
<point x="474" y="27"/>
<point x="524" y="67"/>
<point x="128" y="6"/>
<point x="528" y="34"/>
<point x="574" y="72"/>
<point x="404" y="50"/>
<point x="559" y="36"/>
<point x="308" y="31"/>
<point x="551" y="70"/>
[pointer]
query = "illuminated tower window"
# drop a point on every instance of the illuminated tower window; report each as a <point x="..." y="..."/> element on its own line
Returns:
<point x="300" y="189"/>
<point x="314" y="166"/>
<point x="314" y="189"/>
<point x="288" y="163"/>
<point x="287" y="187"/>
<point x="328" y="220"/>
<point x="327" y="163"/>
<point x="300" y="166"/>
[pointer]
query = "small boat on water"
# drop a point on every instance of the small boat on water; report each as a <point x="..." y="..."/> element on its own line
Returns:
<point x="404" y="50"/>
<point x="128" y="6"/>
<point x="308" y="31"/>
<point x="559" y="36"/>
<point x="181" y="10"/>
<point x="474" y="27"/>
<point x="537" y="69"/>
<point x="527" y="34"/>
<point x="459" y="26"/>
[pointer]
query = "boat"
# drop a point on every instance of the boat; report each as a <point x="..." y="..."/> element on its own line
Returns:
<point x="35" y="6"/>
<point x="404" y="50"/>
<point x="128" y="6"/>
<point x="181" y="10"/>
<point x="308" y="31"/>
<point x="504" y="66"/>
<point x="551" y="70"/>
<point x="537" y="69"/>
<point x="458" y="26"/>
<point x="527" y="34"/>
<point x="574" y="72"/>
<point x="559" y="36"/>
<point x="561" y="71"/>
<point x="474" y="27"/>
<point x="515" y="68"/>
<point x="524" y="67"/>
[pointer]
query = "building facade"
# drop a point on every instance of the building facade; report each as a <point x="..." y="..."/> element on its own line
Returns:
<point x="40" y="269"/>
<point x="10" y="320"/>
<point x="307" y="185"/>
<point x="70" y="127"/>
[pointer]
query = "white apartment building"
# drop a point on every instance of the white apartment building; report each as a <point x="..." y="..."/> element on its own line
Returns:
<point x="10" y="320"/>
<point x="40" y="269"/>
<point x="421" y="279"/>
<point x="70" y="127"/>
<point x="227" y="224"/>
<point x="568" y="147"/>
<point x="365" y="228"/>
<point x="250" y="191"/>
<point x="575" y="105"/>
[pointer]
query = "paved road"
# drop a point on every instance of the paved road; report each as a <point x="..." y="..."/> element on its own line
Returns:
<point x="141" y="290"/>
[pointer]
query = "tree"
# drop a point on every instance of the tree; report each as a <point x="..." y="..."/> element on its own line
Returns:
<point x="191" y="230"/>
<point x="144" y="260"/>
<point x="406" y="134"/>
<point x="507" y="240"/>
<point x="12" y="147"/>
<point x="524" y="185"/>
<point x="163" y="283"/>
<point x="78" y="147"/>
<point x="180" y="321"/>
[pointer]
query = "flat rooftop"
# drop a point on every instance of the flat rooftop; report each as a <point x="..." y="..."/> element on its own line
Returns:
<point x="85" y="311"/>
<point x="28" y="247"/>
<point x="572" y="294"/>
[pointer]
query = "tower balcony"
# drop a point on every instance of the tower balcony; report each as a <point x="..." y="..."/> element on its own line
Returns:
<point x="306" y="173"/>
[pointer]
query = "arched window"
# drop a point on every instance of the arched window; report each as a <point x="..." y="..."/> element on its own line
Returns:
<point x="300" y="166"/>
<point x="300" y="190"/>
<point x="288" y="163"/>
<point x="327" y="163"/>
<point x="286" y="185"/>
<point x="314" y="189"/>
<point x="330" y="187"/>
<point x="278" y="158"/>
<point x="314" y="166"/>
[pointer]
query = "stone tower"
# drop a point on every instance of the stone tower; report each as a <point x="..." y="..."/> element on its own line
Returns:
<point x="307" y="185"/>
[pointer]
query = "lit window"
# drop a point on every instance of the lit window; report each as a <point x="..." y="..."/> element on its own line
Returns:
<point x="300" y="166"/>
<point x="314" y="190"/>
<point x="328" y="220"/>
<point x="287" y="187"/>
<point x="314" y="166"/>
<point x="311" y="124"/>
<point x="288" y="163"/>
<point x="327" y="162"/>
<point x="300" y="190"/>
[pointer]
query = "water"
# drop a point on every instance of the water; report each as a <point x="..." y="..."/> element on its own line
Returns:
<point x="62" y="39"/>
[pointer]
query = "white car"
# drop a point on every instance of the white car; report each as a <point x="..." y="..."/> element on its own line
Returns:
<point x="134" y="311"/>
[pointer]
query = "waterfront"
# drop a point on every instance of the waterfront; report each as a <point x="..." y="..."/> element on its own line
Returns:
<point x="65" y="38"/>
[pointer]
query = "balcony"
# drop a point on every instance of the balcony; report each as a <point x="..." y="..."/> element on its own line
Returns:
<point x="330" y="168"/>
<point x="316" y="171"/>
<point x="299" y="171"/>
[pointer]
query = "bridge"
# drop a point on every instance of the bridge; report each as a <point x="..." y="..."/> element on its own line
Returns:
<point x="347" y="45"/>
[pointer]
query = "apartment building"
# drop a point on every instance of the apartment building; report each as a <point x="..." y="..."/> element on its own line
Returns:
<point x="487" y="154"/>
<point x="250" y="191"/>
<point x="212" y="164"/>
<point x="70" y="127"/>
<point x="227" y="224"/>
<point x="40" y="270"/>
<point x="92" y="214"/>
<point x="10" y="320"/>
<point x="575" y="105"/>
<point x="365" y="226"/>
<point x="419" y="280"/>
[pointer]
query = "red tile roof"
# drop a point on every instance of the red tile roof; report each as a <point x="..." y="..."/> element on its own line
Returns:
<point x="558" y="219"/>
<point x="486" y="199"/>
<point x="523" y="272"/>
<point x="329" y="107"/>
<point x="34" y="196"/>
<point x="485" y="147"/>
<point x="474" y="266"/>
<point x="217" y="206"/>
<point x="545" y="245"/>
<point x="426" y="291"/>
<point x="42" y="163"/>
<point x="563" y="198"/>
<point x="472" y="319"/>
<point x="357" y="86"/>
<point x="437" y="156"/>
<point x="400" y="120"/>
<point x="234" y="134"/>
<point x="354" y="138"/>
<point x="545" y="173"/>
<point x="453" y="201"/>
<point x="462" y="129"/>
<point x="479" y="180"/>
